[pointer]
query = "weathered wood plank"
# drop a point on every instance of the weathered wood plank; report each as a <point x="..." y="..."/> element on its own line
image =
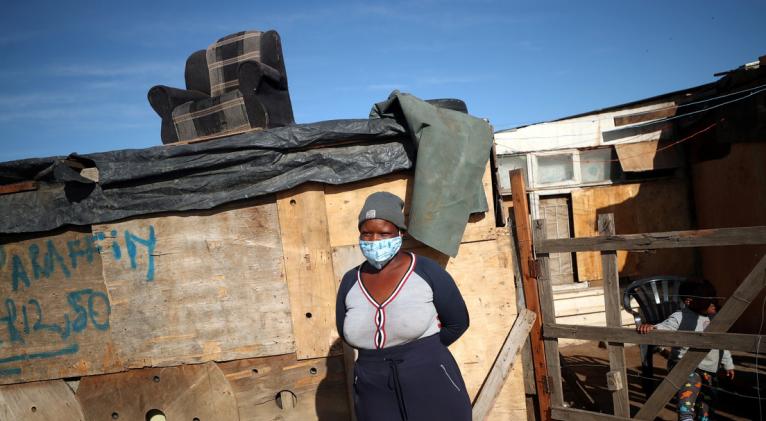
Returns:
<point x="548" y="309"/>
<point x="526" y="351"/>
<point x="623" y="120"/>
<point x="703" y="340"/>
<point x="659" y="240"/>
<point x="309" y="269"/>
<point x="571" y="414"/>
<point x="185" y="392"/>
<point x="636" y="210"/>
<point x="750" y="287"/>
<point x="56" y="310"/>
<point x="18" y="187"/>
<point x="647" y="156"/>
<point x="613" y="312"/>
<point x="39" y="401"/>
<point x="502" y="366"/>
<point x="317" y="387"/>
<point x="531" y="296"/>
<point x="197" y="286"/>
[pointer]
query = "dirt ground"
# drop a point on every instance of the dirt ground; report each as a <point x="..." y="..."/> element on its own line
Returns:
<point x="584" y="369"/>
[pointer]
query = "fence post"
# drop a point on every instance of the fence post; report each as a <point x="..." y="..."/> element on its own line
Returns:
<point x="617" y="376"/>
<point x="521" y="214"/>
<point x="549" y="316"/>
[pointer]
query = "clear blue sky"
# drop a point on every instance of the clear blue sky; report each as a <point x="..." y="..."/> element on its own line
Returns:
<point x="74" y="74"/>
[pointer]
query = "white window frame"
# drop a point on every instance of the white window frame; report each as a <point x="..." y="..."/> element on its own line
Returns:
<point x="561" y="187"/>
<point x="534" y="170"/>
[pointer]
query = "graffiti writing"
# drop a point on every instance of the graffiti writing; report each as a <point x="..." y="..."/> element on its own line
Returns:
<point x="43" y="260"/>
<point x="85" y="307"/>
<point x="37" y="326"/>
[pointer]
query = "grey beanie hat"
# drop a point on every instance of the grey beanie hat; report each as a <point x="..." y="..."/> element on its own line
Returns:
<point x="383" y="205"/>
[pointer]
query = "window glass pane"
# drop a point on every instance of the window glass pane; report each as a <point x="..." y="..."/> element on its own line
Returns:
<point x="599" y="165"/>
<point x="554" y="168"/>
<point x="505" y="164"/>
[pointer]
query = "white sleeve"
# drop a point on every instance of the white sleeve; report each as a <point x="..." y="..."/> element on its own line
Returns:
<point x="726" y="360"/>
<point x="671" y="323"/>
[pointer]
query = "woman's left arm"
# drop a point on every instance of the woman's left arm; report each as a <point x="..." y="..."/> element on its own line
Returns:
<point x="450" y="307"/>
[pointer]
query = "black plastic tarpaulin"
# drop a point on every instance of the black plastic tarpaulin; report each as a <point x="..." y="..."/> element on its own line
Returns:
<point x="204" y="175"/>
<point x="201" y="175"/>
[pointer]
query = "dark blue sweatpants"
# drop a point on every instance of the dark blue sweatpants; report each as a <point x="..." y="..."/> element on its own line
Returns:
<point x="418" y="381"/>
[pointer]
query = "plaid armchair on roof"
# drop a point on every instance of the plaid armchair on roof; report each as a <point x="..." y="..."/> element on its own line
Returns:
<point x="238" y="84"/>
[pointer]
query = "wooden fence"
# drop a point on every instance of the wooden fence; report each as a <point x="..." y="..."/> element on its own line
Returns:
<point x="544" y="345"/>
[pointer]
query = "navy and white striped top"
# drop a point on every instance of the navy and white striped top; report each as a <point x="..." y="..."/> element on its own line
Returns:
<point x="425" y="302"/>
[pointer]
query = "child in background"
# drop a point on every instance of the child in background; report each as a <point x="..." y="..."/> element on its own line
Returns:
<point x="693" y="400"/>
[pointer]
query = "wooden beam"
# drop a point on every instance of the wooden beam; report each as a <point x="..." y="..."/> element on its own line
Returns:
<point x="702" y="340"/>
<point x="570" y="414"/>
<point x="18" y="187"/>
<point x="730" y="312"/>
<point x="521" y="214"/>
<point x="526" y="351"/>
<point x="528" y="370"/>
<point x="502" y="366"/>
<point x="549" y="314"/>
<point x="658" y="240"/>
<point x="612" y="300"/>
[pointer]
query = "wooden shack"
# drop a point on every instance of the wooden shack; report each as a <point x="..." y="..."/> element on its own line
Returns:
<point x="223" y="314"/>
<point x="678" y="161"/>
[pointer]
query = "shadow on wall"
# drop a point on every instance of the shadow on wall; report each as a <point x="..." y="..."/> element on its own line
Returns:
<point x="332" y="403"/>
<point x="653" y="205"/>
<point x="725" y="192"/>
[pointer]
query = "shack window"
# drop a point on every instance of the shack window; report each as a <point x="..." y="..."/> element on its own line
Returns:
<point x="506" y="163"/>
<point x="597" y="165"/>
<point x="558" y="168"/>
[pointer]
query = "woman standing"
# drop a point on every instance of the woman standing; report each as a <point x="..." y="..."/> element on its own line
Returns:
<point x="401" y="311"/>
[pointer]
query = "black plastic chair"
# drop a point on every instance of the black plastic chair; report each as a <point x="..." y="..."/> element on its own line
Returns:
<point x="658" y="297"/>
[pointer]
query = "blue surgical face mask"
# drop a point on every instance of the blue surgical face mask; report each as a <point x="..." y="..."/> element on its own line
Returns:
<point x="380" y="252"/>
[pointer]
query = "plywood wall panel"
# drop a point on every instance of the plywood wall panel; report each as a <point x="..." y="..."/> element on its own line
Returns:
<point x="55" y="314"/>
<point x="650" y="206"/>
<point x="731" y="192"/>
<point x="197" y="286"/>
<point x="308" y="266"/>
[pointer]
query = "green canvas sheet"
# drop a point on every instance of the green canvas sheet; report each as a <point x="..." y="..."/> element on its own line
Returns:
<point x="452" y="153"/>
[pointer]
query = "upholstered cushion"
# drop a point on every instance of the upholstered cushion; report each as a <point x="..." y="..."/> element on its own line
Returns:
<point x="224" y="56"/>
<point x="211" y="117"/>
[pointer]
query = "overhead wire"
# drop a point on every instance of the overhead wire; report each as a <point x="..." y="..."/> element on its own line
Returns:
<point x="652" y="152"/>
<point x="653" y="110"/>
<point x="657" y="121"/>
<point x="668" y="146"/>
